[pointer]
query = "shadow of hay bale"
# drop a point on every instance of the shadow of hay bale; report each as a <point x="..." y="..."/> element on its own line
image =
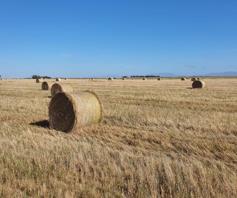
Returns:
<point x="42" y="123"/>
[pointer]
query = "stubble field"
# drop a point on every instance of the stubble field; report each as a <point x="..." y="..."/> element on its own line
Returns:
<point x="157" y="139"/>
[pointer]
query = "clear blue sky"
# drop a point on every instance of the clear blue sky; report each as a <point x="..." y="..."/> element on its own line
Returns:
<point x="117" y="37"/>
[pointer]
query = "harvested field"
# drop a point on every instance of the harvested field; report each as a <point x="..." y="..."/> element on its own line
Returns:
<point x="156" y="139"/>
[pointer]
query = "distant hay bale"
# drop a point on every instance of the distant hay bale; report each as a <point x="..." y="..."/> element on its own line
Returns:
<point x="193" y="79"/>
<point x="110" y="78"/>
<point x="198" y="84"/>
<point x="144" y="78"/>
<point x="58" y="79"/>
<point x="45" y="85"/>
<point x="56" y="88"/>
<point x="158" y="78"/>
<point x="68" y="112"/>
<point x="37" y="80"/>
<point x="183" y="78"/>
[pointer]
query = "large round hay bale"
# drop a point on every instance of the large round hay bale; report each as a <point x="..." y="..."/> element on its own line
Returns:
<point x="110" y="78"/>
<point x="37" y="80"/>
<point x="68" y="112"/>
<point x="158" y="78"/>
<point x="56" y="88"/>
<point x="183" y="79"/>
<point x="58" y="79"/>
<point x="45" y="85"/>
<point x="198" y="84"/>
<point x="144" y="78"/>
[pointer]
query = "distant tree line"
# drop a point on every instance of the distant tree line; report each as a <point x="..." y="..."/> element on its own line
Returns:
<point x="146" y="76"/>
<point x="39" y="77"/>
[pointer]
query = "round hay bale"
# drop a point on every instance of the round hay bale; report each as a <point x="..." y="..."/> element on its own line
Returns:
<point x="158" y="78"/>
<point x="144" y="78"/>
<point x="37" y="80"/>
<point x="58" y="79"/>
<point x="198" y="84"/>
<point x="56" y="88"/>
<point x="193" y="79"/>
<point x="182" y="78"/>
<point x="110" y="78"/>
<point x="68" y="112"/>
<point x="45" y="85"/>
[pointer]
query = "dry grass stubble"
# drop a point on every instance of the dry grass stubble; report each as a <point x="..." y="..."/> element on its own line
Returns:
<point x="157" y="139"/>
